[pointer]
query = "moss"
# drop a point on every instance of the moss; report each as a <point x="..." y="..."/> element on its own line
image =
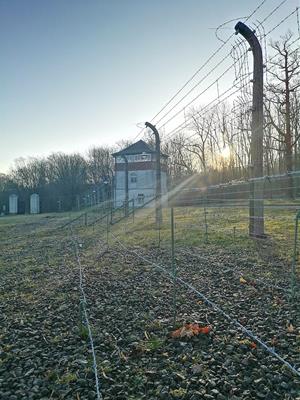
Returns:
<point x="151" y="344"/>
<point x="83" y="332"/>
<point x="67" y="378"/>
<point x="178" y="393"/>
<point x="52" y="375"/>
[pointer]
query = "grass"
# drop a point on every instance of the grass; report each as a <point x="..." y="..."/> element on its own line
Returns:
<point x="220" y="229"/>
<point x="178" y="393"/>
<point x="83" y="332"/>
<point x="151" y="344"/>
<point x="67" y="378"/>
<point x="227" y="229"/>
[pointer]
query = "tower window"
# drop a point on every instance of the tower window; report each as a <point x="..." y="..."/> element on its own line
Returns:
<point x="133" y="178"/>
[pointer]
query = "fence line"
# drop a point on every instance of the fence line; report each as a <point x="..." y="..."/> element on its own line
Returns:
<point x="83" y="303"/>
<point x="209" y="191"/>
<point x="205" y="224"/>
<point x="238" y="272"/>
<point x="269" y="285"/>
<point x="212" y="305"/>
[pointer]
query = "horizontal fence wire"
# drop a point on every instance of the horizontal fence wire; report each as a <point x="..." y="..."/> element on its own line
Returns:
<point x="71" y="221"/>
<point x="241" y="274"/>
<point x="201" y="223"/>
<point x="234" y="205"/>
<point x="83" y="303"/>
<point x="213" y="305"/>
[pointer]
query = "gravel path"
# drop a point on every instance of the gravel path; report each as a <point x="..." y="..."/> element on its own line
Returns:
<point x="43" y="354"/>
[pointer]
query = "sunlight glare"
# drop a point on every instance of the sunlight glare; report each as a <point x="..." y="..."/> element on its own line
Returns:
<point x="225" y="152"/>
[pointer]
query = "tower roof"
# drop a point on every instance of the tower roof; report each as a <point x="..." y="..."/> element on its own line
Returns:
<point x="135" y="148"/>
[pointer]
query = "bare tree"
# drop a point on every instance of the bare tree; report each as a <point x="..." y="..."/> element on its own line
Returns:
<point x="100" y="164"/>
<point x="30" y="173"/>
<point x="68" y="172"/>
<point x="180" y="161"/>
<point x="280" y="110"/>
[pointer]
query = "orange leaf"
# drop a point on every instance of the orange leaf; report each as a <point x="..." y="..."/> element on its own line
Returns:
<point x="189" y="330"/>
<point x="177" y="333"/>
<point x="206" y="329"/>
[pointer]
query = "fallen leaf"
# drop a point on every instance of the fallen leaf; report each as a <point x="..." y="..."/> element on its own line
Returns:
<point x="206" y="329"/>
<point x="247" y="342"/>
<point x="242" y="280"/>
<point x="290" y="328"/>
<point x="122" y="355"/>
<point x="274" y="341"/>
<point x="180" y="376"/>
<point x="105" y="376"/>
<point x="196" y="368"/>
<point x="190" y="330"/>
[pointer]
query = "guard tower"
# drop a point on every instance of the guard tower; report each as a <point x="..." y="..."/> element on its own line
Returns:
<point x="141" y="174"/>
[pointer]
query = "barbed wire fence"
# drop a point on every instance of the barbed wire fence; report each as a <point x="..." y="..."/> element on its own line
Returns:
<point x="83" y="307"/>
<point x="127" y="229"/>
<point x="221" y="198"/>
<point x="174" y="279"/>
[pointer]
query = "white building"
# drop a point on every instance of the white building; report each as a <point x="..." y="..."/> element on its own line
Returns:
<point x="34" y="204"/>
<point x="141" y="174"/>
<point x="13" y="204"/>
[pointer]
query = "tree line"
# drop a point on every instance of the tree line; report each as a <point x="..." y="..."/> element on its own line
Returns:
<point x="217" y="142"/>
<point x="63" y="181"/>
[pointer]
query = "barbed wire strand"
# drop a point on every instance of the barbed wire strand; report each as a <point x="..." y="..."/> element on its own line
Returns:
<point x="83" y="303"/>
<point x="213" y="305"/>
<point x="209" y="59"/>
<point x="199" y="70"/>
<point x="264" y="36"/>
<point x="185" y="123"/>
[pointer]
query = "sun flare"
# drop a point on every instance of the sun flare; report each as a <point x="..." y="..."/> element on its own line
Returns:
<point x="225" y="152"/>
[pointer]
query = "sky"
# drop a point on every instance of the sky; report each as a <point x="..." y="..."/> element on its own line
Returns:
<point x="78" y="73"/>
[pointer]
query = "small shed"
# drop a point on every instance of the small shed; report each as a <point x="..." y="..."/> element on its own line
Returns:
<point x="34" y="204"/>
<point x="13" y="204"/>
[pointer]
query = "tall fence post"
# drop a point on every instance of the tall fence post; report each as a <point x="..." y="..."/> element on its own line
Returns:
<point x="133" y="210"/>
<point x="111" y="213"/>
<point x="173" y="267"/>
<point x="205" y="219"/>
<point x="256" y="204"/>
<point x="85" y="219"/>
<point x="126" y="186"/>
<point x="295" y="256"/>
<point x="107" y="228"/>
<point x="158" y="231"/>
<point x="158" y="174"/>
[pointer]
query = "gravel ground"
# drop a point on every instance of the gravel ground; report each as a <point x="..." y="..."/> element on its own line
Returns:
<point x="43" y="353"/>
<point x="44" y="348"/>
<point x="135" y="312"/>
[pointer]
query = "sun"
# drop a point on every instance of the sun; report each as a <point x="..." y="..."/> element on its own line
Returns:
<point x="225" y="152"/>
